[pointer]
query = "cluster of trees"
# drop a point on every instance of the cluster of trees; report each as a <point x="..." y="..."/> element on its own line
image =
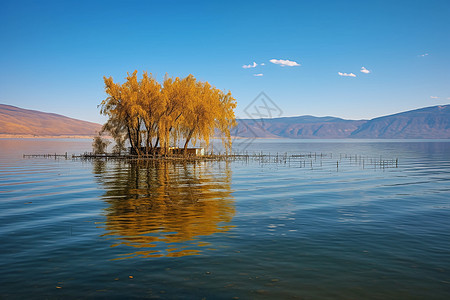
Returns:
<point x="153" y="116"/>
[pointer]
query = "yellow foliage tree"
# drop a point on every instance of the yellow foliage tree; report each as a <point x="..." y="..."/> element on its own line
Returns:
<point x="180" y="110"/>
<point x="153" y="106"/>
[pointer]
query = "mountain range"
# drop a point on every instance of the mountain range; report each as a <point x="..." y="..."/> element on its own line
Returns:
<point x="425" y="123"/>
<point x="429" y="122"/>
<point x="25" y="122"/>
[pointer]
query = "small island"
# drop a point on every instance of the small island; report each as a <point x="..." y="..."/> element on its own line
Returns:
<point x="162" y="120"/>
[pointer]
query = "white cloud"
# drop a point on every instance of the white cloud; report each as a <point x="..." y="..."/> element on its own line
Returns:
<point x="434" y="97"/>
<point x="364" y="70"/>
<point x="250" y="66"/>
<point x="263" y="64"/>
<point x="346" y="74"/>
<point x="423" y="55"/>
<point x="284" y="62"/>
<point x="258" y="75"/>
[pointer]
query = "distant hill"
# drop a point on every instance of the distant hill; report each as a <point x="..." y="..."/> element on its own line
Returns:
<point x="298" y="127"/>
<point x="424" y="123"/>
<point x="19" y="121"/>
<point x="429" y="122"/>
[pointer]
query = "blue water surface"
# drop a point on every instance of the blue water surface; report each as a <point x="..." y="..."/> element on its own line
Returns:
<point x="345" y="219"/>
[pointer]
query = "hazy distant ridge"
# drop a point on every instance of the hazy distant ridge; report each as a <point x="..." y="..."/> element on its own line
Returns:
<point x="429" y="122"/>
<point x="19" y="121"/>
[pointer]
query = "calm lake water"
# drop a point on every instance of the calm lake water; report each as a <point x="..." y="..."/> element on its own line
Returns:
<point x="333" y="226"/>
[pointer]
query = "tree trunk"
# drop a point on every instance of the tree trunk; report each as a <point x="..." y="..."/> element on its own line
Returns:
<point x="148" y="143"/>
<point x="131" y="140"/>
<point x="137" y="141"/>
<point x="156" y="145"/>
<point x="187" y="141"/>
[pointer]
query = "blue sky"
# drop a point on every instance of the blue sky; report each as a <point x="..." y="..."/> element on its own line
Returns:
<point x="54" y="54"/>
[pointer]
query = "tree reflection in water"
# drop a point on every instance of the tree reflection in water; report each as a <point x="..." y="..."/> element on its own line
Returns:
<point x="164" y="208"/>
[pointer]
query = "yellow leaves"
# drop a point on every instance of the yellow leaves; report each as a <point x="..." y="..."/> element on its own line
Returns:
<point x="180" y="108"/>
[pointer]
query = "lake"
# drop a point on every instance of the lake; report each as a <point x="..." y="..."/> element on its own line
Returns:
<point x="333" y="224"/>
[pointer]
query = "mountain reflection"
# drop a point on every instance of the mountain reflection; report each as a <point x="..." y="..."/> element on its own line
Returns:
<point x="163" y="208"/>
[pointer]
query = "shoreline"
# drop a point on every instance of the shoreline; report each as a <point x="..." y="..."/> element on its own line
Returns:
<point x="32" y="136"/>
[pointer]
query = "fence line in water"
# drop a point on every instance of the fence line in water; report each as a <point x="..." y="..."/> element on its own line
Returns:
<point x="46" y="155"/>
<point x="301" y="160"/>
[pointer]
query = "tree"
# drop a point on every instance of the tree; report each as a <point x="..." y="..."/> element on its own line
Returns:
<point x="153" y="106"/>
<point x="117" y="133"/>
<point x="177" y="93"/>
<point x="100" y="144"/>
<point x="123" y="109"/>
<point x="226" y="119"/>
<point x="208" y="109"/>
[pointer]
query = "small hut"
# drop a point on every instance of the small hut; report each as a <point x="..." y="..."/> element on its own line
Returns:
<point x="189" y="151"/>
